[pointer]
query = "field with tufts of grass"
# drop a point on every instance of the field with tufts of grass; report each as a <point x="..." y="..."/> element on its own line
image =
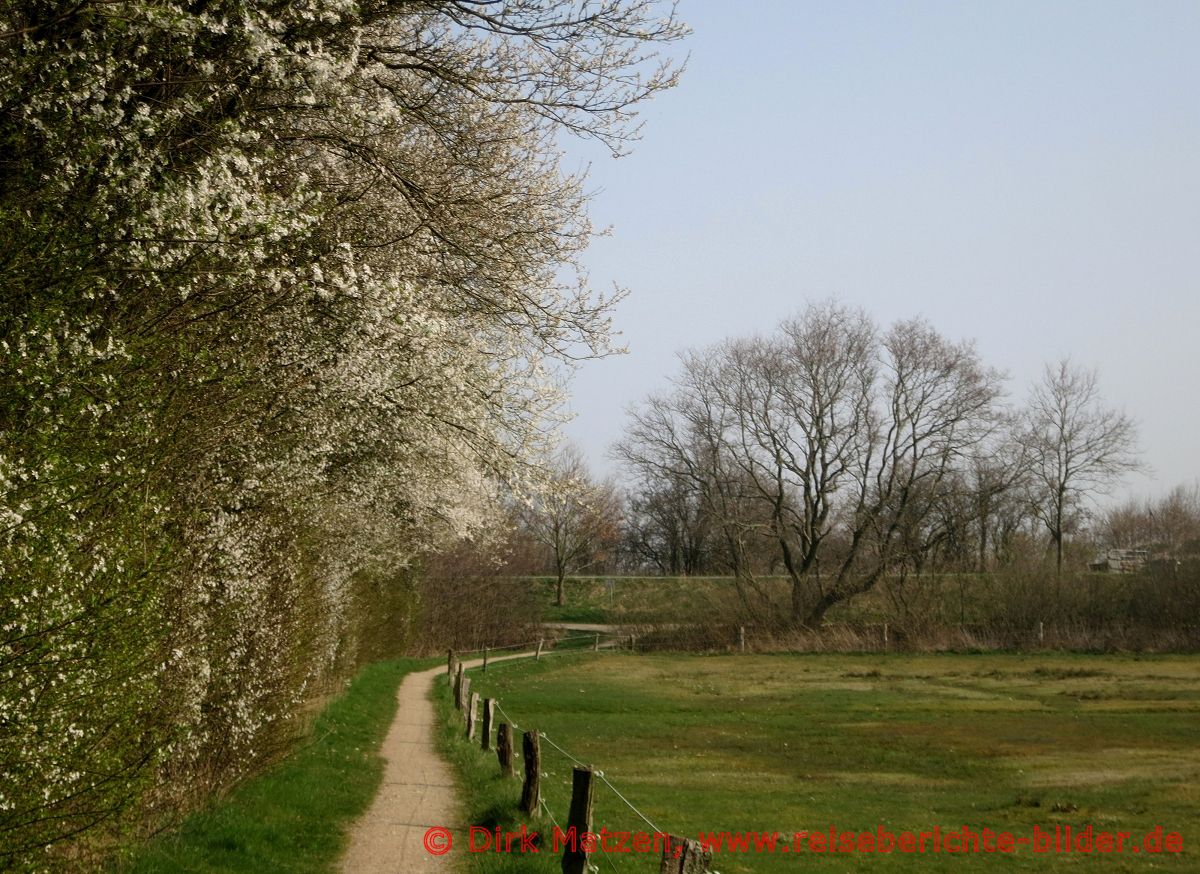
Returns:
<point x="908" y="742"/>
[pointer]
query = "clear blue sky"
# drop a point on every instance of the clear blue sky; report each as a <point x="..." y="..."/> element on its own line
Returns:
<point x="1026" y="174"/>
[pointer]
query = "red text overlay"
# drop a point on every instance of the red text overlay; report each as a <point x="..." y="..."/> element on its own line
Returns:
<point x="1058" y="839"/>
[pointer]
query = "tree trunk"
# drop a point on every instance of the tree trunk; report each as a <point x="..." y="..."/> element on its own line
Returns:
<point x="1058" y="558"/>
<point x="983" y="542"/>
<point x="817" y="612"/>
<point x="1060" y="512"/>
<point x="559" y="601"/>
<point x="796" y="578"/>
<point x="797" y="602"/>
<point x="841" y="591"/>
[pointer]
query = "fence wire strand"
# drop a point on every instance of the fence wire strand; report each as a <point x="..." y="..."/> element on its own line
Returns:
<point x="491" y="649"/>
<point x="511" y="721"/>
<point x="541" y="734"/>
<point x="542" y="803"/>
<point x="604" y="779"/>
<point x="628" y="803"/>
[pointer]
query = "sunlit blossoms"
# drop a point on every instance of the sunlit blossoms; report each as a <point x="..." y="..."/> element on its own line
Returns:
<point x="284" y="291"/>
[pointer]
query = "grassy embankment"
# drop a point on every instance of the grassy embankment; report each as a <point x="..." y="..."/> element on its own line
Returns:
<point x="1000" y="741"/>
<point x="649" y="600"/>
<point x="294" y="817"/>
<point x="991" y="611"/>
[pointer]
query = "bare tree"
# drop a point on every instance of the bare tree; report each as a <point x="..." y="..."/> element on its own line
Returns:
<point x="800" y="405"/>
<point x="935" y="404"/>
<point x="1077" y="447"/>
<point x="1169" y="526"/>
<point x="1175" y="520"/>
<point x="666" y="525"/>
<point x="825" y="433"/>
<point x="682" y="436"/>
<point x="996" y="478"/>
<point x="575" y="517"/>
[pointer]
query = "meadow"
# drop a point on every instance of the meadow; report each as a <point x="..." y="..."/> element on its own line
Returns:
<point x="907" y="742"/>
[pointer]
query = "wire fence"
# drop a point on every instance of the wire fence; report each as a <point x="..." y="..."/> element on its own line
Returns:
<point x="861" y="637"/>
<point x="574" y="761"/>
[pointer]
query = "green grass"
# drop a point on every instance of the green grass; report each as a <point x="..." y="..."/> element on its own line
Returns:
<point x="293" y="818"/>
<point x="490" y="799"/>
<point x="649" y="600"/>
<point x="643" y="599"/>
<point x="789" y="742"/>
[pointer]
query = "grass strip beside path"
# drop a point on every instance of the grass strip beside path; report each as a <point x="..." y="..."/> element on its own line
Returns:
<point x="295" y="817"/>
<point x="490" y="799"/>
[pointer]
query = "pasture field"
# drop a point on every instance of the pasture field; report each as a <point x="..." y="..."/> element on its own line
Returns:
<point x="1006" y="742"/>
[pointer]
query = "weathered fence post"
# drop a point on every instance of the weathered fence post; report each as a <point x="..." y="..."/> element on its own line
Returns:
<point x="579" y="819"/>
<point x="741" y="638"/>
<point x="472" y="713"/>
<point x="596" y="643"/>
<point x="458" y="686"/>
<point x="633" y="643"/>
<point x="466" y="692"/>
<point x="504" y="748"/>
<point x="537" y="657"/>
<point x="450" y="663"/>
<point x="684" y="856"/>
<point x="531" y="790"/>
<point x="485" y="657"/>
<point x="885" y="635"/>
<point x="489" y="716"/>
<point x="1041" y="633"/>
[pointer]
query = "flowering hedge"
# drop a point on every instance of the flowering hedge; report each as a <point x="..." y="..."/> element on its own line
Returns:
<point x="284" y="286"/>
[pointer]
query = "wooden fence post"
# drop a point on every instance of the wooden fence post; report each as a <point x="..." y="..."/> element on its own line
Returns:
<point x="466" y="693"/>
<point x="531" y="790"/>
<point x="458" y="686"/>
<point x="537" y="657"/>
<point x="741" y="638"/>
<point x="596" y="643"/>
<point x="633" y="643"/>
<point x="691" y="858"/>
<point x="450" y="663"/>
<point x="885" y="635"/>
<point x="1041" y="633"/>
<point x="575" y="858"/>
<point x="472" y="713"/>
<point x="489" y="716"/>
<point x="504" y="748"/>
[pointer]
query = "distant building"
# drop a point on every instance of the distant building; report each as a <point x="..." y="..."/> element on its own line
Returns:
<point x="1121" y="561"/>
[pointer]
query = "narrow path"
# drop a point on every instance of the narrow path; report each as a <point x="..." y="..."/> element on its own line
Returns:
<point x="418" y="789"/>
<point x="583" y="626"/>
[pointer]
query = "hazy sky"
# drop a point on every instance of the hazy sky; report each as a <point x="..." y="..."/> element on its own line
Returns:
<point x="1024" y="174"/>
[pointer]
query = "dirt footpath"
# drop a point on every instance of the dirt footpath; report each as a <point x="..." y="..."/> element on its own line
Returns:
<point x="418" y="790"/>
